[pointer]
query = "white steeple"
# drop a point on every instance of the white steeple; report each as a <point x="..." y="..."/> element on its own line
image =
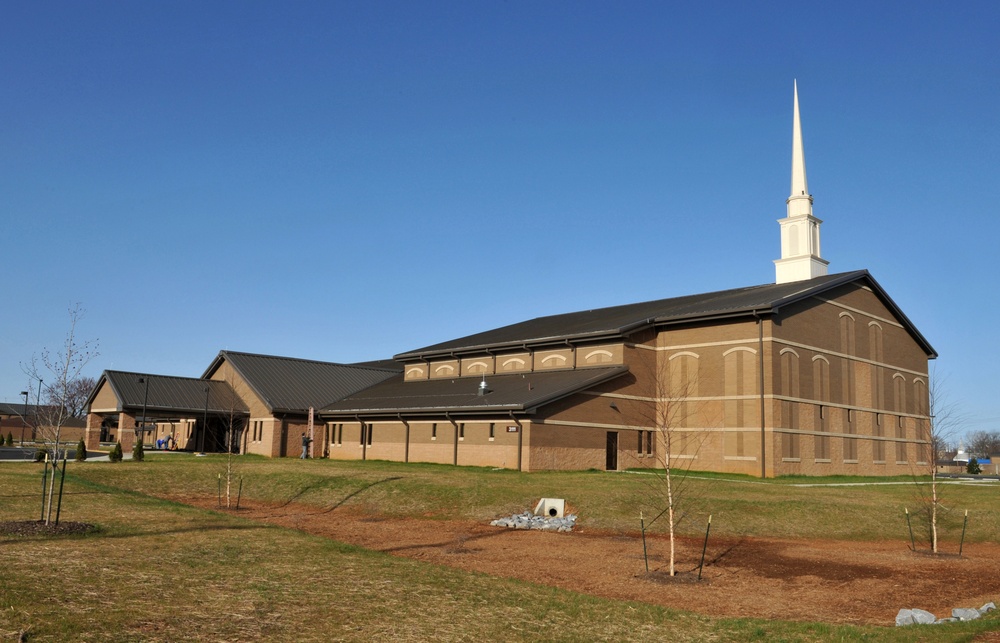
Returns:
<point x="800" y="255"/>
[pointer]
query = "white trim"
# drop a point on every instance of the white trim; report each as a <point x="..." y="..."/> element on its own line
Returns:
<point x="885" y="320"/>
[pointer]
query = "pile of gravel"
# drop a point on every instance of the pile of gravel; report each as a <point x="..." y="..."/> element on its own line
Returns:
<point x="923" y="617"/>
<point x="528" y="520"/>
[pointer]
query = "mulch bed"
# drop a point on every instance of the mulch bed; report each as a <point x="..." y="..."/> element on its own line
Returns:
<point x="788" y="579"/>
<point x="27" y="528"/>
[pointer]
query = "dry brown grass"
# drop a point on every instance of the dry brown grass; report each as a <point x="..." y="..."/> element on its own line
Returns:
<point x="162" y="571"/>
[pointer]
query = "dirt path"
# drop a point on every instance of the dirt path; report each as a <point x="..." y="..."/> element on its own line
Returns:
<point x="815" y="580"/>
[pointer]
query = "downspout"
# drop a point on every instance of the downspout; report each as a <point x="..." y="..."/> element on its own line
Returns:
<point x="760" y="361"/>
<point x="520" y="438"/>
<point x="454" y="424"/>
<point x="364" y="439"/>
<point x="406" y="445"/>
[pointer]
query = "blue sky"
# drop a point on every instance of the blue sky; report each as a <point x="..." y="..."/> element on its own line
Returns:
<point x="344" y="181"/>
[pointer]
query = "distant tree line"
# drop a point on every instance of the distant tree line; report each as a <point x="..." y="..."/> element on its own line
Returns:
<point x="983" y="444"/>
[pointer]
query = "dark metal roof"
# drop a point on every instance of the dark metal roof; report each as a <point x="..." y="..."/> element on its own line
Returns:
<point x="616" y="321"/>
<point x="168" y="394"/>
<point x="518" y="393"/>
<point x="17" y="409"/>
<point x="386" y="364"/>
<point x="290" y="385"/>
<point x="13" y="408"/>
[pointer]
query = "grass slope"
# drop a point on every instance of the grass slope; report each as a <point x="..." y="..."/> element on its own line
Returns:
<point x="162" y="571"/>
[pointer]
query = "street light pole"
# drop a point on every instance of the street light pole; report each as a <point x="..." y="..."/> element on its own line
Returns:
<point x="38" y="403"/>
<point x="145" y="398"/>
<point x="24" y="416"/>
<point x="204" y="427"/>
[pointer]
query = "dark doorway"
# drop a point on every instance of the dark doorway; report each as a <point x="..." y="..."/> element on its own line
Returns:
<point x="612" y="459"/>
<point x="109" y="426"/>
<point x="220" y="434"/>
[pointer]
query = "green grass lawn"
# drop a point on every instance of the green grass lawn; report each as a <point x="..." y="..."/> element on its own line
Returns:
<point x="158" y="570"/>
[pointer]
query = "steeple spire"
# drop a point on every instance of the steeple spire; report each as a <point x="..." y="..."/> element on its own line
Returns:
<point x="799" y="185"/>
<point x="800" y="254"/>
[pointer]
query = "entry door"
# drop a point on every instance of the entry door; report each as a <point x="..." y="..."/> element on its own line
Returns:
<point x="612" y="459"/>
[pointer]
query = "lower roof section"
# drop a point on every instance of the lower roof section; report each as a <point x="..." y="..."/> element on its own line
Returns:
<point x="511" y="393"/>
<point x="165" y="394"/>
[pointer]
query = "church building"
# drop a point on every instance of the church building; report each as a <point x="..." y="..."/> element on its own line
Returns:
<point x="815" y="374"/>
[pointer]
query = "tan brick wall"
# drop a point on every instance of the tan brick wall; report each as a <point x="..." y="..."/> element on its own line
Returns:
<point x="567" y="448"/>
<point x="389" y="443"/>
<point x="729" y="416"/>
<point x="105" y="401"/>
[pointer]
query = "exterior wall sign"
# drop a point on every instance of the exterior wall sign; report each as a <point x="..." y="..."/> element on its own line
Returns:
<point x="511" y="429"/>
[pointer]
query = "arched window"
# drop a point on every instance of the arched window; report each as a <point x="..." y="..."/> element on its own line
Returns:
<point x="682" y="385"/>
<point x="741" y="389"/>
<point x="790" y="407"/>
<point x="513" y="364"/>
<point x="875" y="350"/>
<point x="821" y="395"/>
<point x="598" y="356"/>
<point x="899" y="392"/>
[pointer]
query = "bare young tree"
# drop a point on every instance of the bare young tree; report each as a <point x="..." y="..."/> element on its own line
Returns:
<point x="671" y="420"/>
<point x="236" y="428"/>
<point x="943" y="423"/>
<point x="59" y="369"/>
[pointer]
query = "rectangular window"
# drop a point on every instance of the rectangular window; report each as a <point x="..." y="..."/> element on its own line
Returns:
<point x="434" y="431"/>
<point x="492" y="430"/>
<point x="461" y="430"/>
<point x="649" y="443"/>
<point x="639" y="449"/>
<point x="371" y="429"/>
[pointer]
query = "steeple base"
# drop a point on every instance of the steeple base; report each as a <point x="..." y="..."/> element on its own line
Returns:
<point x="799" y="269"/>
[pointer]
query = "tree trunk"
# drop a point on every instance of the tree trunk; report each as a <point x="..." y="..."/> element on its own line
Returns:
<point x="670" y="519"/>
<point x="934" y="508"/>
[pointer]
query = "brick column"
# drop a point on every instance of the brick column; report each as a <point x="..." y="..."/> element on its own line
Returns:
<point x="92" y="434"/>
<point x="126" y="431"/>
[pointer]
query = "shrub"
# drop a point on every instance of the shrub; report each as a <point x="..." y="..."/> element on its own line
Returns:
<point x="81" y="451"/>
<point x="973" y="467"/>
<point x="116" y="453"/>
<point x="40" y="455"/>
<point x="10" y="439"/>
<point x="138" y="454"/>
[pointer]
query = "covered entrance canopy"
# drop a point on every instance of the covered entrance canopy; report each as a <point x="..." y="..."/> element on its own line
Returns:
<point x="195" y="414"/>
